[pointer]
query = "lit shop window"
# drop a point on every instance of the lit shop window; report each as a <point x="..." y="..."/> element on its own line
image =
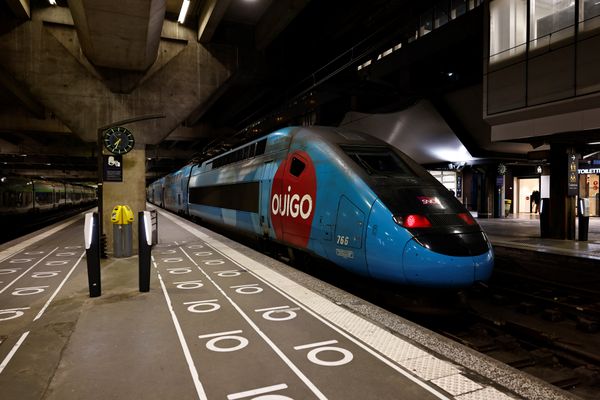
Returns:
<point x="589" y="15"/>
<point x="508" y="29"/>
<point x="551" y="21"/>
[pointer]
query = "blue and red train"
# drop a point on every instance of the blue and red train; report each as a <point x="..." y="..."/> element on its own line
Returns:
<point x="340" y="195"/>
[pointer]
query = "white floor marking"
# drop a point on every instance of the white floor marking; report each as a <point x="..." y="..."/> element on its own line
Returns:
<point x="28" y="269"/>
<point x="58" y="288"/>
<point x="276" y="349"/>
<point x="341" y="314"/>
<point x="13" y="351"/>
<point x="252" y="393"/>
<point x="182" y="341"/>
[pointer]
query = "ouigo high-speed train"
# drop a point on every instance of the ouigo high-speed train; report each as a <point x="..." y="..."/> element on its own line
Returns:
<point x="340" y="195"/>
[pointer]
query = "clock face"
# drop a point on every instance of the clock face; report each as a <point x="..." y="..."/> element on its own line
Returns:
<point x="118" y="140"/>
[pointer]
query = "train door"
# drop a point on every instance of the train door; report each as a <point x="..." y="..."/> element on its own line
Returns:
<point x="266" y="182"/>
<point x="292" y="201"/>
<point x="297" y="200"/>
<point x="349" y="231"/>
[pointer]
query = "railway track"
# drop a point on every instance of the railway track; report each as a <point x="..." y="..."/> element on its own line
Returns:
<point x="543" y="328"/>
<point x="20" y="225"/>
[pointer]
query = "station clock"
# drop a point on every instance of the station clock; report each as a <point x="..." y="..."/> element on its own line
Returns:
<point x="118" y="140"/>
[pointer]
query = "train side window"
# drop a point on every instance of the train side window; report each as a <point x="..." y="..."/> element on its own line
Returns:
<point x="261" y="147"/>
<point x="378" y="160"/>
<point x="296" y="167"/>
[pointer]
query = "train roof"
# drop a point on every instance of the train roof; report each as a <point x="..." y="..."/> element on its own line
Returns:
<point x="336" y="135"/>
<point x="333" y="136"/>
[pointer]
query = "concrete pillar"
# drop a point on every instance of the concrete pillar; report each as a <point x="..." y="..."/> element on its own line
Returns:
<point x="131" y="192"/>
<point x="562" y="206"/>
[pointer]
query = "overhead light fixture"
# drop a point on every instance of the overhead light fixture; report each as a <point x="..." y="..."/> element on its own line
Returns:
<point x="593" y="143"/>
<point x="52" y="2"/>
<point x="184" y="9"/>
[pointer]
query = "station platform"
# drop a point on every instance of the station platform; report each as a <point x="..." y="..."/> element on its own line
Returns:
<point x="221" y="321"/>
<point x="522" y="231"/>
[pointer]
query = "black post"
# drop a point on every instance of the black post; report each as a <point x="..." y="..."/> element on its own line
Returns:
<point x="545" y="218"/>
<point x="145" y="249"/>
<point x="92" y="253"/>
<point x="583" y="216"/>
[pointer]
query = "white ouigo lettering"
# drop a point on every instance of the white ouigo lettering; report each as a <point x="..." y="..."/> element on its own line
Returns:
<point x="292" y="204"/>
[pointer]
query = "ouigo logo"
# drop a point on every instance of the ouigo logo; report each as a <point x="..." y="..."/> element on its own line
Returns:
<point x="293" y="197"/>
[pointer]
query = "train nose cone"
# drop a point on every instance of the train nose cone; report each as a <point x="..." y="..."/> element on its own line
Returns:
<point x="438" y="261"/>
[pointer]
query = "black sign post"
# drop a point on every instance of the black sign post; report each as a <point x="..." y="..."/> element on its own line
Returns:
<point x="572" y="182"/>
<point x="92" y="252"/>
<point x="145" y="249"/>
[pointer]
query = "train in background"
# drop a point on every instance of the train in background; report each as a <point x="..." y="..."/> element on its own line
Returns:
<point x="341" y="195"/>
<point x="24" y="196"/>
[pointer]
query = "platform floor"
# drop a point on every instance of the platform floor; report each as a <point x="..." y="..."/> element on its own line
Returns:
<point x="221" y="321"/>
<point x="523" y="232"/>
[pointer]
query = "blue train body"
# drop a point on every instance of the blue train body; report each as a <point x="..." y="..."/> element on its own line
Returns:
<point x="340" y="195"/>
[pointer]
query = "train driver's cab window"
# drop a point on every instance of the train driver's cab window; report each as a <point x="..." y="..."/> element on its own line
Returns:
<point x="296" y="167"/>
<point x="378" y="161"/>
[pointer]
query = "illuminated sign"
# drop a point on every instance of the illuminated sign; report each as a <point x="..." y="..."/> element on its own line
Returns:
<point x="584" y="171"/>
<point x="572" y="184"/>
<point x="113" y="168"/>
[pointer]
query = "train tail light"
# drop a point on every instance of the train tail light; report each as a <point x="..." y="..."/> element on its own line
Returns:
<point x="467" y="218"/>
<point x="413" y="221"/>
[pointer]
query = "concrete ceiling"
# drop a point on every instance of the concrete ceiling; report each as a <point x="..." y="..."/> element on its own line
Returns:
<point x="119" y="34"/>
<point x="234" y="67"/>
<point x="123" y="59"/>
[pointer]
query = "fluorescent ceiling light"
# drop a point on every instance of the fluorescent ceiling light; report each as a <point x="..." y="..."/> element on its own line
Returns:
<point x="183" y="12"/>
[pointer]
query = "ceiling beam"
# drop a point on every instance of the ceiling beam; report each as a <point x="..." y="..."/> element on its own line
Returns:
<point x="20" y="8"/>
<point x="24" y="96"/>
<point x="205" y="106"/>
<point x="185" y="133"/>
<point x="276" y="19"/>
<point x="210" y="18"/>
<point x="119" y="34"/>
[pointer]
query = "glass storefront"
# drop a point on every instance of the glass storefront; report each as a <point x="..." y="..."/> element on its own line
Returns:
<point x="588" y="188"/>
<point x="449" y="180"/>
<point x="527" y="196"/>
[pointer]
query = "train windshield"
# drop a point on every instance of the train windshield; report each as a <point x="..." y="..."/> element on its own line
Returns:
<point x="378" y="160"/>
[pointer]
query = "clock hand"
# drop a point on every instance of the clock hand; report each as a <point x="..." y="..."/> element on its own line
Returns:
<point x="117" y="142"/>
